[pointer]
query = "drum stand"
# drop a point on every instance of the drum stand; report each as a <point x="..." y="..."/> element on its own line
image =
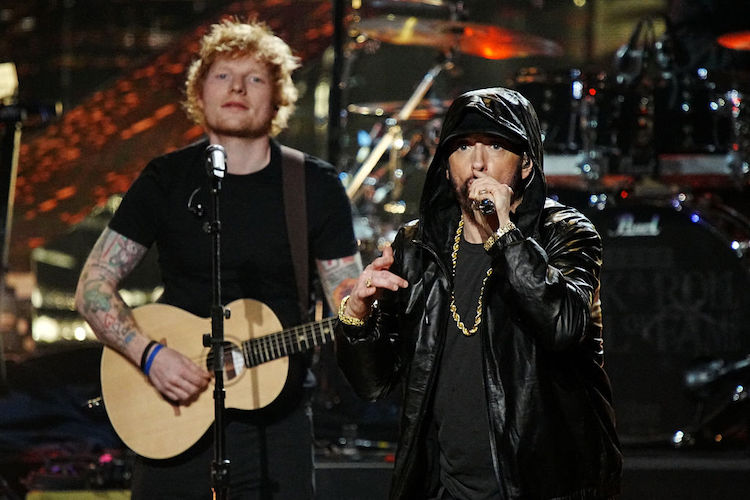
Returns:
<point x="590" y="160"/>
<point x="738" y="161"/>
<point x="394" y="129"/>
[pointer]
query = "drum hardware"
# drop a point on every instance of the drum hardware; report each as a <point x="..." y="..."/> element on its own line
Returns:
<point x="632" y="59"/>
<point x="398" y="113"/>
<point x="702" y="171"/>
<point x="394" y="130"/>
<point x="670" y="109"/>
<point x="699" y="378"/>
<point x="740" y="147"/>
<point x="391" y="4"/>
<point x="592" y="162"/>
<point x="723" y="417"/>
<point x="405" y="156"/>
<point x="395" y="172"/>
<point x="449" y="37"/>
<point x="577" y="121"/>
<point x="591" y="165"/>
<point x="481" y="40"/>
<point x="427" y="109"/>
<point x="391" y="186"/>
<point x="418" y="6"/>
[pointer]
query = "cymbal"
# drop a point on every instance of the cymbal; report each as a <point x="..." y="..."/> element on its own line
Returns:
<point x="487" y="41"/>
<point x="408" y="3"/>
<point x="739" y="40"/>
<point x="425" y="110"/>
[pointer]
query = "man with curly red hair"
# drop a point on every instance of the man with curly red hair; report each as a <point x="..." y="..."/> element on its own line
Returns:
<point x="240" y="90"/>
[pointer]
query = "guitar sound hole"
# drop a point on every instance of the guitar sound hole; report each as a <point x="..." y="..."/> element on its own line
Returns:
<point x="234" y="363"/>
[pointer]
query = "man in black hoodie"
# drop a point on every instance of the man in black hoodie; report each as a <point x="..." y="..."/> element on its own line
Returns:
<point x="486" y="310"/>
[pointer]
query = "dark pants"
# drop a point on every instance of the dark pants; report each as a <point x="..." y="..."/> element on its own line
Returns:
<point x="268" y="461"/>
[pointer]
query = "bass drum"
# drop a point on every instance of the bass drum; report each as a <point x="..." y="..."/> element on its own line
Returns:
<point x="674" y="288"/>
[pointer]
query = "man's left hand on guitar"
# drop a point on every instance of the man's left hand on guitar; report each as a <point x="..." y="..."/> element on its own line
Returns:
<point x="176" y="377"/>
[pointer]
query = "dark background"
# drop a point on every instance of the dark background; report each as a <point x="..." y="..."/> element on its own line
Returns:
<point x="118" y="66"/>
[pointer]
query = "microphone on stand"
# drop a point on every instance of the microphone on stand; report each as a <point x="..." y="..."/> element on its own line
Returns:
<point x="27" y="112"/>
<point x="216" y="160"/>
<point x="630" y="59"/>
<point x="486" y="206"/>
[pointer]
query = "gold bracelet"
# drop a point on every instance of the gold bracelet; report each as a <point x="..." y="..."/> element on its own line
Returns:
<point x="501" y="231"/>
<point x="345" y="318"/>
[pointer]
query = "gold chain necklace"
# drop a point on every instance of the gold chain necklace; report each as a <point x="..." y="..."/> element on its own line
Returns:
<point x="454" y="310"/>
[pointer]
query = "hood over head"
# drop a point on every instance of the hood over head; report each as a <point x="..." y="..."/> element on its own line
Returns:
<point x="494" y="111"/>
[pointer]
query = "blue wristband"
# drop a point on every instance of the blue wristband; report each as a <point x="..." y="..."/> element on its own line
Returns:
<point x="151" y="357"/>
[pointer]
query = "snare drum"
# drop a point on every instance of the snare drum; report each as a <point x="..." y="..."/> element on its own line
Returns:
<point x="674" y="287"/>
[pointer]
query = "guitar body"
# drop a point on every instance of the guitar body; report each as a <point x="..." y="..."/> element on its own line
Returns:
<point x="152" y="426"/>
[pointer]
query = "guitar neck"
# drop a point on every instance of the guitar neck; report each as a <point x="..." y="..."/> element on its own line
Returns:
<point x="286" y="342"/>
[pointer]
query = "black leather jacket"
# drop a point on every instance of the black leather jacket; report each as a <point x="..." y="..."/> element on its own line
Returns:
<point x="549" y="399"/>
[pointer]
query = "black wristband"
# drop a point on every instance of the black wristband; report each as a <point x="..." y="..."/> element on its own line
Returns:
<point x="145" y="352"/>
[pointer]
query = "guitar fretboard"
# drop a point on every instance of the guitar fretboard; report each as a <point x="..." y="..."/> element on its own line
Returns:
<point x="286" y="342"/>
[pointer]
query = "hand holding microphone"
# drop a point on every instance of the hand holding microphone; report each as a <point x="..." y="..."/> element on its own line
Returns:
<point x="486" y="206"/>
<point x="491" y="200"/>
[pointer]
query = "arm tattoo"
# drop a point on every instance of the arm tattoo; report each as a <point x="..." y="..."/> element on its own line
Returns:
<point x="338" y="277"/>
<point x="112" y="259"/>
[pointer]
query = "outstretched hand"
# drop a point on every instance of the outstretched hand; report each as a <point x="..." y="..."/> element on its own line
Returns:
<point x="370" y="285"/>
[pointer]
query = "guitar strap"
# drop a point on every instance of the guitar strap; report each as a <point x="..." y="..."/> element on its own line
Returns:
<point x="295" y="211"/>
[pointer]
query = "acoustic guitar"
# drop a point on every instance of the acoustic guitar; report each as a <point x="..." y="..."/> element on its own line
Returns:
<point x="255" y="370"/>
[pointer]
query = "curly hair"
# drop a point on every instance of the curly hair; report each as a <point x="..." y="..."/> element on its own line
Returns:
<point x="236" y="39"/>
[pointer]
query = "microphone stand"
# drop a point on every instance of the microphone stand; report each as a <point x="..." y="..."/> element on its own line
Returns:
<point x="10" y="141"/>
<point x="220" y="467"/>
<point x="334" y="106"/>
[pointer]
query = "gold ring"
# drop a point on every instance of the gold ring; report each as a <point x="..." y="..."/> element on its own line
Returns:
<point x="368" y="283"/>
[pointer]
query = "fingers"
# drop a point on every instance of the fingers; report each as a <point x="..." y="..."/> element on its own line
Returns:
<point x="377" y="274"/>
<point x="487" y="188"/>
<point x="384" y="261"/>
<point x="177" y="377"/>
<point x="375" y="278"/>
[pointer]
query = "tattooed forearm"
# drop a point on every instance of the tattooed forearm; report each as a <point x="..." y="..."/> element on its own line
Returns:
<point x="115" y="254"/>
<point x="338" y="277"/>
<point x="94" y="300"/>
<point x="97" y="298"/>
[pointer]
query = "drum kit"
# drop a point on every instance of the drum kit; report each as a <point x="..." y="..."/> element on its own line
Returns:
<point x="651" y="153"/>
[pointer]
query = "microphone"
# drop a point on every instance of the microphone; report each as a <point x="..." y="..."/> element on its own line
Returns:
<point x="629" y="58"/>
<point x="13" y="113"/>
<point x="216" y="160"/>
<point x="486" y="206"/>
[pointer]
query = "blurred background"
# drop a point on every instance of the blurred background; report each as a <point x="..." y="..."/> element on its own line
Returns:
<point x="644" y="111"/>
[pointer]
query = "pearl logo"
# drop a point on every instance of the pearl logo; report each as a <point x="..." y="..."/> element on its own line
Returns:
<point x="628" y="227"/>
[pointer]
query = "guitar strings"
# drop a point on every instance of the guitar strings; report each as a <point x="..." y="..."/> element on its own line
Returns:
<point x="288" y="338"/>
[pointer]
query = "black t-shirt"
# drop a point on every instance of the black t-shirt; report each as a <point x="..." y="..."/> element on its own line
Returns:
<point x="460" y="404"/>
<point x="256" y="260"/>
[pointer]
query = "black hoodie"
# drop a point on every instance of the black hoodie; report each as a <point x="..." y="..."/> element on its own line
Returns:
<point x="548" y="397"/>
<point x="516" y="121"/>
